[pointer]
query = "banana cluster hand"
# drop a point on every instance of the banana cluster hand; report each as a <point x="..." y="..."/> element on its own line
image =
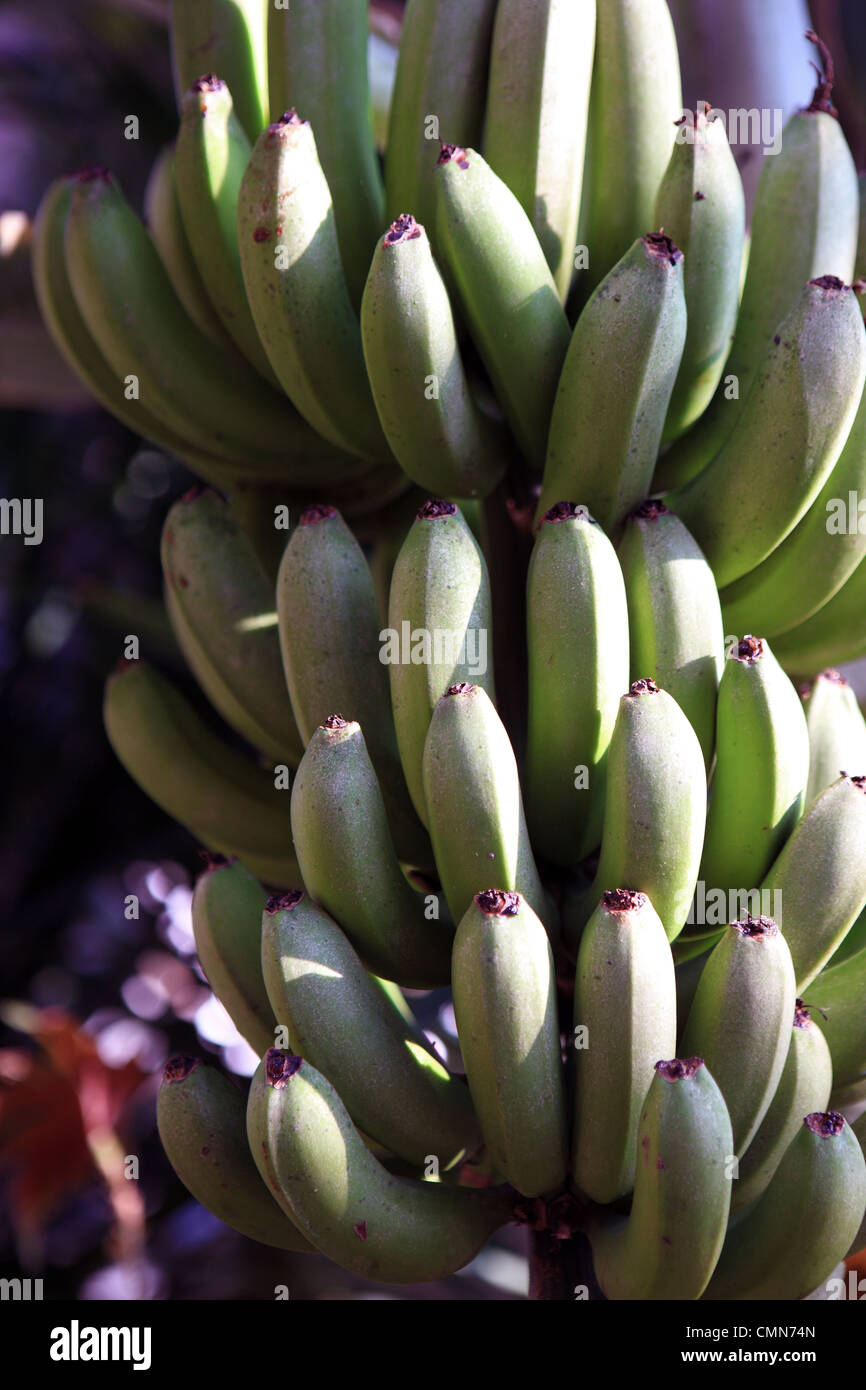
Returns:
<point x="664" y="832"/>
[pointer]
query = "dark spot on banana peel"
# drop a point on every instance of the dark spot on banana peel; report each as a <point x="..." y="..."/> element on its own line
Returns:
<point x="821" y="95"/>
<point x="434" y="508"/>
<point x="859" y="781"/>
<point x="679" y="1068"/>
<point x="624" y="899"/>
<point x="699" y="196"/>
<point x="567" y="511"/>
<point x="662" y="247"/>
<point x="651" y="510"/>
<point x="776" y="339"/>
<point x="360" y="1229"/>
<point x="644" y="686"/>
<point x="321" y="511"/>
<point x="280" y="1067"/>
<point x="454" y="154"/>
<point x="660" y="1164"/>
<point x="756" y="928"/>
<point x="403" y="228"/>
<point x="261" y="234"/>
<point x="666" y="1240"/>
<point x="750" y="649"/>
<point x="179" y="1068"/>
<point x="826" y="1123"/>
<point x="283" y="902"/>
<point x="204" y="1150"/>
<point x="644" y="1143"/>
<point x="496" y="902"/>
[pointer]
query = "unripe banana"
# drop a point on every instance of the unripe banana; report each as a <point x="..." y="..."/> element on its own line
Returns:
<point x="536" y="117"/>
<point x="675" y="620"/>
<point x="130" y="308"/>
<point x="73" y="339"/>
<point x="438" y="91"/>
<point x="227" y="802"/>
<point x="440" y="618"/>
<point x="818" y="556"/>
<point x="859" y="1131"/>
<point x="803" y="225"/>
<point x="740" y="1020"/>
<point x="762" y="766"/>
<point x="616" y="383"/>
<point x="359" y="1215"/>
<point x="202" y="1126"/>
<point x="223" y="613"/>
<point x="820" y="876"/>
<point x="297" y="290"/>
<point x="227" y="909"/>
<point x="636" y="97"/>
<point x="625" y="998"/>
<point x="804" y="1087"/>
<point x="668" y="1246"/>
<point x="837" y="995"/>
<point x="505" y="290"/>
<point x="437" y="432"/>
<point x="788" y="435"/>
<point x="348" y="1028"/>
<point x="317" y="60"/>
<point x="655" y="806"/>
<point x="504" y="984"/>
<point x="804" y="1222"/>
<point x="578" y="641"/>
<point x="331" y="644"/>
<point x="837" y="732"/>
<point x="228" y="37"/>
<point x="164" y="221"/>
<point x="833" y="634"/>
<point x="474" y="806"/>
<point x="349" y="865"/>
<point x="211" y="156"/>
<point x="701" y="206"/>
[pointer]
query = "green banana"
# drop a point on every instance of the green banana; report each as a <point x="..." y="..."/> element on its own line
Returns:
<point x="504" y="984"/>
<point x="536" y="117"/>
<point x="396" y="1090"/>
<point x="787" y="437"/>
<point x="577" y="632"/>
<point x="505" y="290"/>
<point x="331" y="644"/>
<point x="701" y="206"/>
<point x="297" y="292"/>
<point x="317" y="62"/>
<point x="803" y="225"/>
<point x="655" y="807"/>
<point x="211" y="155"/>
<point x="805" y="1085"/>
<point x="837" y="732"/>
<point x="394" y="1229"/>
<point x="440" y="623"/>
<point x="675" y="620"/>
<point x="818" y="556"/>
<point x="837" y="994"/>
<point x="835" y="633"/>
<point x="164" y="221"/>
<point x="859" y="1131"/>
<point x="223" y="614"/>
<point x="438" y="434"/>
<point x="228" y="37"/>
<point x="231" y="805"/>
<point x="474" y="806"/>
<point x="820" y="875"/>
<point x="636" y="97"/>
<point x="227" y="925"/>
<point x="803" y="1224"/>
<point x="740" y="1020"/>
<point x="616" y="383"/>
<point x="130" y="308"/>
<point x="201" y="1118"/>
<point x="762" y="767"/>
<point x="668" y="1246"/>
<point x="349" y="865"/>
<point x="625" y="998"/>
<point x="73" y="339"/>
<point x="440" y="82"/>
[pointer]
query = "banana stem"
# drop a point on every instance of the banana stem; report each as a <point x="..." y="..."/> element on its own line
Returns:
<point x="561" y="1269"/>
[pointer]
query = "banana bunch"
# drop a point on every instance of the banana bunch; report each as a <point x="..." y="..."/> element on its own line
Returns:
<point x="501" y="412"/>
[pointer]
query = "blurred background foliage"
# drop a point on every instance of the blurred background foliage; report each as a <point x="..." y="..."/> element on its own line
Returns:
<point x="95" y="996"/>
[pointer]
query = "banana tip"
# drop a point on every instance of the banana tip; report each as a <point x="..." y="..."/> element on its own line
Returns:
<point x="435" y="508"/>
<point x="566" y="511"/>
<point x="826" y="1123"/>
<point x="179" y="1068"/>
<point x="280" y="1067"/>
<point x="663" y="247"/>
<point x="679" y="1068"/>
<point x="321" y="511"/>
<point x="454" y="154"/>
<point x="403" y="228"/>
<point x="624" y="900"/>
<point x="644" y="686"/>
<point x="284" y="902"/>
<point x="497" y="902"/>
<point x="756" y="928"/>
